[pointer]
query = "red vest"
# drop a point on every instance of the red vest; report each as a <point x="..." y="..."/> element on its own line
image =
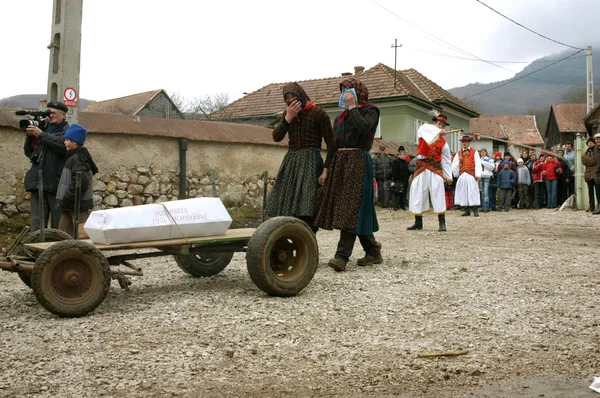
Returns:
<point x="467" y="162"/>
<point x="433" y="151"/>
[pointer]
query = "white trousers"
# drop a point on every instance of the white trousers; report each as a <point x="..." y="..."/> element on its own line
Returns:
<point x="467" y="191"/>
<point x="427" y="187"/>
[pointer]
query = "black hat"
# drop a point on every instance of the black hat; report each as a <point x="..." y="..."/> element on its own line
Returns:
<point x="381" y="148"/>
<point x="401" y="148"/>
<point x="57" y="105"/>
<point x="507" y="154"/>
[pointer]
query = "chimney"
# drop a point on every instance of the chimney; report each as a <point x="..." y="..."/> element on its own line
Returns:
<point x="344" y="74"/>
<point x="358" y="70"/>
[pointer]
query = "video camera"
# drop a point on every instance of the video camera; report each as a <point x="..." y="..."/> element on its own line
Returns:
<point x="38" y="119"/>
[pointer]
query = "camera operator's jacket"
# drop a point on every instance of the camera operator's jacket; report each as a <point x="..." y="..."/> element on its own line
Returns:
<point x="48" y="152"/>
<point x="78" y="159"/>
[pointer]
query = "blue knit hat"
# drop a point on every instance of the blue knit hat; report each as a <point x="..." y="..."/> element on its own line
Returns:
<point x="76" y="133"/>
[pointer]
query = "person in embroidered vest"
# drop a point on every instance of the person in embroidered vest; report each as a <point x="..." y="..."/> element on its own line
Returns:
<point x="78" y="159"/>
<point x="434" y="167"/>
<point x="467" y="167"/>
<point x="307" y="126"/>
<point x="345" y="200"/>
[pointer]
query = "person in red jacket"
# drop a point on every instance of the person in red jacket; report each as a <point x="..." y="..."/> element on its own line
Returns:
<point x="539" y="186"/>
<point x="550" y="173"/>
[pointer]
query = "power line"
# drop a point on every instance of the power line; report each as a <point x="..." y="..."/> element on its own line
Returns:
<point x="440" y="39"/>
<point x="524" y="76"/>
<point x="476" y="59"/>
<point x="525" y="27"/>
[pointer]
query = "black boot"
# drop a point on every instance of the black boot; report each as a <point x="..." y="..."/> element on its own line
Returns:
<point x="475" y="211"/>
<point x="442" y="220"/>
<point x="417" y="225"/>
<point x="467" y="211"/>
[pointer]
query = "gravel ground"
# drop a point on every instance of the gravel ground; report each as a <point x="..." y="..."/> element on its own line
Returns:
<point x="518" y="290"/>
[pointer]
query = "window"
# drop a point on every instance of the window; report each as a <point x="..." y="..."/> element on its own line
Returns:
<point x="417" y="123"/>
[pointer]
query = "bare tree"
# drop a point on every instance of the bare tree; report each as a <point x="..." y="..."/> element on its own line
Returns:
<point x="200" y="107"/>
<point x="578" y="95"/>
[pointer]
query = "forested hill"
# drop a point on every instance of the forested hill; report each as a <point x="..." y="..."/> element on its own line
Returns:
<point x="539" y="90"/>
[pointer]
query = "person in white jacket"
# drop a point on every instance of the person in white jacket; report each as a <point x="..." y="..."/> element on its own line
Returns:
<point x="487" y="172"/>
<point x="466" y="165"/>
<point x="433" y="168"/>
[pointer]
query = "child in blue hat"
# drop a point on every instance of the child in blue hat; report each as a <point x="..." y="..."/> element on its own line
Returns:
<point x="79" y="159"/>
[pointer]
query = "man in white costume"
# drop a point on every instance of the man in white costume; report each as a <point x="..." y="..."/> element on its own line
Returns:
<point x="466" y="165"/>
<point x="434" y="167"/>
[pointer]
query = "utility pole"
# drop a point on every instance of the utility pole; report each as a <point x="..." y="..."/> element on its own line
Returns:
<point x="395" y="47"/>
<point x="65" y="55"/>
<point x="590" y="79"/>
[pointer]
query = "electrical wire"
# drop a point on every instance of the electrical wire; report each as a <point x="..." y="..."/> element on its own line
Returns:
<point x="455" y="48"/>
<point x="524" y="76"/>
<point x="525" y="27"/>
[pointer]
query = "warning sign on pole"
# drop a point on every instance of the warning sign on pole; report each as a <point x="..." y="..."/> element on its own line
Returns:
<point x="70" y="97"/>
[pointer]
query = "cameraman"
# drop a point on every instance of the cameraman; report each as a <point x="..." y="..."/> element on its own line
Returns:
<point x="46" y="151"/>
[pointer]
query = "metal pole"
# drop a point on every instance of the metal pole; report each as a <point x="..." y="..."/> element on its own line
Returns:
<point x="265" y="183"/>
<point x="581" y="197"/>
<point x="212" y="179"/>
<point x="183" y="147"/>
<point x="590" y="79"/>
<point x="77" y="205"/>
<point x="41" y="204"/>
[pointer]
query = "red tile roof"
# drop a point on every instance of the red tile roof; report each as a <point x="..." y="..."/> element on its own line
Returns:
<point x="569" y="117"/>
<point x="520" y="129"/>
<point x="379" y="79"/>
<point x="129" y="105"/>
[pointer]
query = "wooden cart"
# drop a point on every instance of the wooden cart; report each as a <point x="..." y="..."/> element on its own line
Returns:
<point x="72" y="277"/>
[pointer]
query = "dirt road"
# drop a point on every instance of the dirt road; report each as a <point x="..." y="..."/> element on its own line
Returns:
<point x="518" y="290"/>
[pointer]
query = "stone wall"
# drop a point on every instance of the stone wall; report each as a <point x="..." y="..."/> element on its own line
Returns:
<point x="139" y="169"/>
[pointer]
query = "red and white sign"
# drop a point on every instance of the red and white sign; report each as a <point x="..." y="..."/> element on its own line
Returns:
<point x="70" y="97"/>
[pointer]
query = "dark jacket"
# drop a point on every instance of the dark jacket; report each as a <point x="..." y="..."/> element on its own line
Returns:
<point x="400" y="171"/>
<point x="587" y="159"/>
<point x="48" y="153"/>
<point x="382" y="167"/>
<point x="79" y="159"/>
<point x="597" y="168"/>
<point x="566" y="171"/>
<point x="506" y="179"/>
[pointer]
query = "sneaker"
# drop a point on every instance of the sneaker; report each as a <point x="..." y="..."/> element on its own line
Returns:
<point x="369" y="260"/>
<point x="338" y="264"/>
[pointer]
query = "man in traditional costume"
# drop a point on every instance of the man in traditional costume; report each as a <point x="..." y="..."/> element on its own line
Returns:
<point x="434" y="167"/>
<point x="466" y="165"/>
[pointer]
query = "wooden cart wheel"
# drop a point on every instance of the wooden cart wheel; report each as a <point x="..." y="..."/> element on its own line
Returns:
<point x="50" y="235"/>
<point x="203" y="264"/>
<point x="71" y="278"/>
<point x="282" y="256"/>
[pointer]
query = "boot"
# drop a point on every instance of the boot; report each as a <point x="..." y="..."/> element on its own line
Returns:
<point x="597" y="211"/>
<point x="475" y="211"/>
<point x="338" y="264"/>
<point x="467" y="212"/>
<point x="417" y="225"/>
<point x="442" y="220"/>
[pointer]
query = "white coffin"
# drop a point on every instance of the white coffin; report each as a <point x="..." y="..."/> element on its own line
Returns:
<point x="194" y="217"/>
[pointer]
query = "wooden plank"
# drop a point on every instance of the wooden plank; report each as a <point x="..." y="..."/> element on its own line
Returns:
<point x="231" y="235"/>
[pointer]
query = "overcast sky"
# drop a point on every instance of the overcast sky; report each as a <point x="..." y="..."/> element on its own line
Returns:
<point x="198" y="48"/>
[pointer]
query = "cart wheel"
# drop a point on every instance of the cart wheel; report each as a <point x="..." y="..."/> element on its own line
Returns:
<point x="50" y="235"/>
<point x="282" y="256"/>
<point x="203" y="263"/>
<point x="71" y="278"/>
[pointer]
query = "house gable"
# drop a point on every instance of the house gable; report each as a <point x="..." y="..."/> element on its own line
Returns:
<point x="154" y="103"/>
